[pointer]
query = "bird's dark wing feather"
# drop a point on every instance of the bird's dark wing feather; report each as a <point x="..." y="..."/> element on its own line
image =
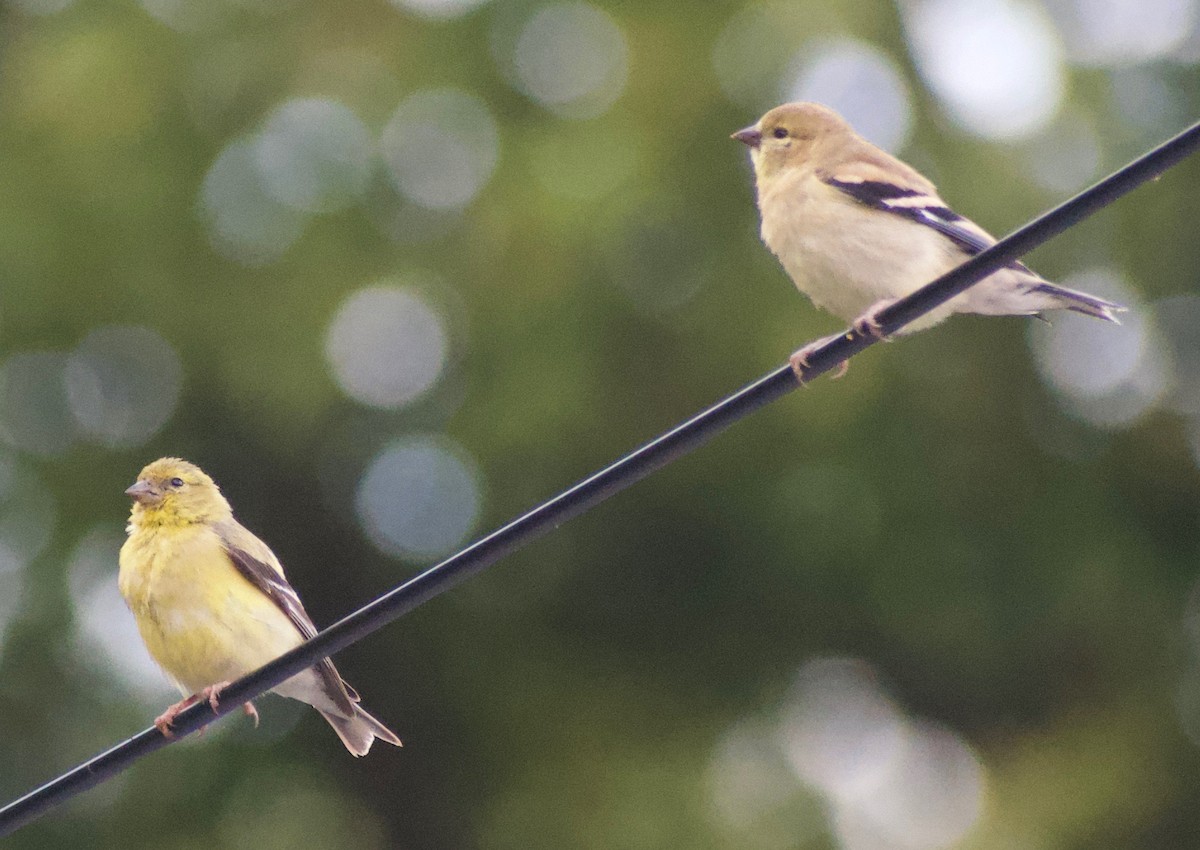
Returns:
<point x="276" y="588"/>
<point x="919" y="207"/>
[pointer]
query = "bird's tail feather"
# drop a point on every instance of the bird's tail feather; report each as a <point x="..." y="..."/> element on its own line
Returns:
<point x="1080" y="302"/>
<point x="360" y="731"/>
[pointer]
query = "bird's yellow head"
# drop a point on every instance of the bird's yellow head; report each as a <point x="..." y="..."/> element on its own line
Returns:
<point x="791" y="135"/>
<point x="171" y="491"/>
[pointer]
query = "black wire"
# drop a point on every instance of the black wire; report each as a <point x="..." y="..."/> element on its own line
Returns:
<point x="590" y="492"/>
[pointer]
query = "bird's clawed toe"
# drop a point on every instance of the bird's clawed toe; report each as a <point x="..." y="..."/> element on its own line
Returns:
<point x="868" y="323"/>
<point x="165" y="720"/>
<point x="799" y="360"/>
<point x="211" y="693"/>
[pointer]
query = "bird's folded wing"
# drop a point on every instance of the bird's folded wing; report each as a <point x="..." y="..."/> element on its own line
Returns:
<point x="263" y="573"/>
<point x="918" y="206"/>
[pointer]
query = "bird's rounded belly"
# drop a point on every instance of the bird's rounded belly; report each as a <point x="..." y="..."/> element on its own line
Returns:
<point x="846" y="270"/>
<point x="841" y="273"/>
<point x="203" y="635"/>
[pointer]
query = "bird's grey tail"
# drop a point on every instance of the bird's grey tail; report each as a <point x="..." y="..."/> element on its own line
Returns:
<point x="1080" y="302"/>
<point x="360" y="731"/>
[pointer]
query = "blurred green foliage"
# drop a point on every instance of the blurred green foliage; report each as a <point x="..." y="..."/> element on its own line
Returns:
<point x="1010" y="570"/>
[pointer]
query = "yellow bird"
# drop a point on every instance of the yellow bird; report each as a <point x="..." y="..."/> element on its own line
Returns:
<point x="857" y="229"/>
<point x="212" y="603"/>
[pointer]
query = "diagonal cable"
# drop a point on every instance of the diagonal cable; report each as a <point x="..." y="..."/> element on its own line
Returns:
<point x="590" y="492"/>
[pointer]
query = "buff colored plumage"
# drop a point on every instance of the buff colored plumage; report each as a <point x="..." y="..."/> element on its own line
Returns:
<point x="212" y="603"/>
<point x="856" y="229"/>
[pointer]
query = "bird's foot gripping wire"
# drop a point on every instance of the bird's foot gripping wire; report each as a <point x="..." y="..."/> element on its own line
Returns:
<point x="800" y="364"/>
<point x="164" y="721"/>
<point x="868" y="323"/>
<point x="213" y="691"/>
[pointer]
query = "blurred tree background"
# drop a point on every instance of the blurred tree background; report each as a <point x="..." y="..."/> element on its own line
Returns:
<point x="393" y="273"/>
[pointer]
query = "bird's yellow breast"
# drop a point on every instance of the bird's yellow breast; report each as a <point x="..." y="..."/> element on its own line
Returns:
<point x="201" y="620"/>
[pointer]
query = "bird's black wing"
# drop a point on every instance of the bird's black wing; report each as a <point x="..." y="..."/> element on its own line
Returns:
<point x="276" y="588"/>
<point x="920" y="207"/>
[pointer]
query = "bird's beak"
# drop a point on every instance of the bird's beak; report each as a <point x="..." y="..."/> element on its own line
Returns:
<point x="143" y="492"/>
<point x="750" y="137"/>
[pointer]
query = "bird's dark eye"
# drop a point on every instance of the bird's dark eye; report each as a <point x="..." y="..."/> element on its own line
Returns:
<point x="176" y="482"/>
<point x="779" y="133"/>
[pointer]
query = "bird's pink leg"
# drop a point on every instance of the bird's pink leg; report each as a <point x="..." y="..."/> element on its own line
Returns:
<point x="213" y="691"/>
<point x="163" y="722"/>
<point x="799" y="359"/>
<point x="868" y="323"/>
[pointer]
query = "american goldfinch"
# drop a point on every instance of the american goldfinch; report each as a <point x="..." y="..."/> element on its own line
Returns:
<point x="212" y="604"/>
<point x="857" y="229"/>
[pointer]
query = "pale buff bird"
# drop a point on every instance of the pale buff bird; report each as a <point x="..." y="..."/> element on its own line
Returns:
<point x="856" y="229"/>
<point x="212" y="603"/>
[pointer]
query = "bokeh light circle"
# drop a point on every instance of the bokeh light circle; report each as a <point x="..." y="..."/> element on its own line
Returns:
<point x="754" y="796"/>
<point x="123" y="382"/>
<point x="419" y="498"/>
<point x="1124" y="32"/>
<point x="840" y="732"/>
<point x="246" y="223"/>
<point x="441" y="10"/>
<point x="996" y="64"/>
<point x="440" y="147"/>
<point x="931" y="799"/>
<point x="891" y="781"/>
<point x="386" y="346"/>
<point x="1108" y="375"/>
<point x="572" y="59"/>
<point x="860" y="82"/>
<point x="314" y="155"/>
